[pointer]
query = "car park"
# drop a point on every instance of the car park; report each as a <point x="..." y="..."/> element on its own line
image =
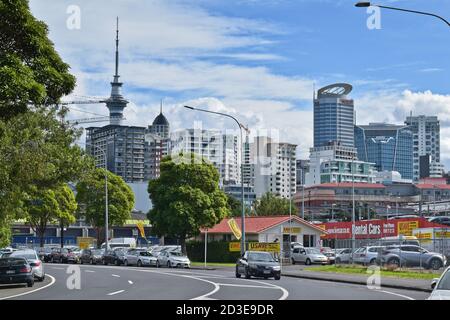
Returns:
<point x="412" y="256"/>
<point x="15" y="271"/>
<point x="308" y="256"/>
<point x="172" y="259"/>
<point x="258" y="264"/>
<point x="441" y="287"/>
<point x="33" y="260"/>
<point x="92" y="256"/>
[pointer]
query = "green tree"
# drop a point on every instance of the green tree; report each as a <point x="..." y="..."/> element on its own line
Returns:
<point x="91" y="199"/>
<point x="235" y="207"/>
<point x="186" y="197"/>
<point x="31" y="71"/>
<point x="271" y="205"/>
<point x="45" y="206"/>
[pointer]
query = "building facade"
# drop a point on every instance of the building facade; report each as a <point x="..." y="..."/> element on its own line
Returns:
<point x="334" y="116"/>
<point x="335" y="163"/>
<point x="388" y="146"/>
<point x="157" y="146"/>
<point x="426" y="141"/>
<point x="302" y="170"/>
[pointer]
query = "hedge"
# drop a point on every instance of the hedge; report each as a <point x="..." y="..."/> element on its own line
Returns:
<point x="218" y="251"/>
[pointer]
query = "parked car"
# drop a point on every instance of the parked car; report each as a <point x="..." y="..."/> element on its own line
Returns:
<point x="441" y="287"/>
<point x="92" y="256"/>
<point x="329" y="253"/>
<point x="115" y="257"/>
<point x="258" y="264"/>
<point x="440" y="219"/>
<point x="16" y="270"/>
<point x="59" y="255"/>
<point x="44" y="253"/>
<point x="412" y="256"/>
<point x="34" y="261"/>
<point x="74" y="255"/>
<point x="367" y="255"/>
<point x="308" y="256"/>
<point x="140" y="258"/>
<point x="343" y="255"/>
<point x="172" y="259"/>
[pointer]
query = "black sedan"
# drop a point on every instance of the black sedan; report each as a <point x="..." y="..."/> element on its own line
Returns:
<point x="116" y="257"/>
<point x="258" y="264"/>
<point x="16" y="270"/>
<point x="92" y="256"/>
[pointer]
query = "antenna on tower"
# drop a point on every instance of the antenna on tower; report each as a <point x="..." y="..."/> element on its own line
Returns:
<point x="161" y="107"/>
<point x="117" y="49"/>
<point x="314" y="91"/>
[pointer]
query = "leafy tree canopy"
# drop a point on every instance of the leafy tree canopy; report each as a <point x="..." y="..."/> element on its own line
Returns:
<point x="271" y="205"/>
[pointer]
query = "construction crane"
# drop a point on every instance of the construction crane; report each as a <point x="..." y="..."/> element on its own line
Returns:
<point x="102" y="118"/>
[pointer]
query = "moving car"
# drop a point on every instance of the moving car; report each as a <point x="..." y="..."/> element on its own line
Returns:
<point x="441" y="287"/>
<point x="16" y="270"/>
<point x="308" y="256"/>
<point x="33" y="260"/>
<point x="258" y="264"/>
<point x="92" y="256"/>
<point x="172" y="259"/>
<point x="412" y="256"/>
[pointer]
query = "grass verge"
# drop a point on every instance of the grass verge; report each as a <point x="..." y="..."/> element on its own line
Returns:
<point x="406" y="274"/>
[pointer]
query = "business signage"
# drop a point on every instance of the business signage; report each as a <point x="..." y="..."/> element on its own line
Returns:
<point x="290" y="230"/>
<point x="256" y="246"/>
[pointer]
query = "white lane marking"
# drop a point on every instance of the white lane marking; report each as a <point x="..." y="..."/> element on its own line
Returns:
<point x="89" y="271"/>
<point x="397" y="294"/>
<point x="114" y="293"/>
<point x="38" y="289"/>
<point x="130" y="282"/>
<point x="245" y="286"/>
<point x="56" y="268"/>
<point x="116" y="275"/>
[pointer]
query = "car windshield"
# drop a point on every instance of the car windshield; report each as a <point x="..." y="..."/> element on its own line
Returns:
<point x="145" y="254"/>
<point x="312" y="251"/>
<point x="260" y="256"/>
<point x="174" y="253"/>
<point x="444" y="283"/>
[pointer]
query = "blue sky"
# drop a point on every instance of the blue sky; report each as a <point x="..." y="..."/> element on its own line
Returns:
<point x="258" y="59"/>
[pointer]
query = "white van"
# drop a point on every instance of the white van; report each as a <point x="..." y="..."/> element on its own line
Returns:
<point x="120" y="242"/>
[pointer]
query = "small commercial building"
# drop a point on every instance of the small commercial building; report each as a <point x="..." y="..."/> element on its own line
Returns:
<point x="270" y="229"/>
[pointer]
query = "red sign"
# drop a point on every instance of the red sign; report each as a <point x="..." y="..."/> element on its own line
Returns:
<point x="374" y="228"/>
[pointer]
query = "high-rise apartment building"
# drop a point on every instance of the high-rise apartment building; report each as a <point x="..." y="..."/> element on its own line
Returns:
<point x="389" y="146"/>
<point x="426" y="141"/>
<point x="334" y="116"/>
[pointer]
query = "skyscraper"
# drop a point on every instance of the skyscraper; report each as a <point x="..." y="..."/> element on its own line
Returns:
<point x="334" y="116"/>
<point x="426" y="141"/>
<point x="389" y="146"/>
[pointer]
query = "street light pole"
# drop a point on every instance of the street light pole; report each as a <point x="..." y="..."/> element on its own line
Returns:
<point x="365" y="4"/>
<point x="353" y="208"/>
<point x="241" y="126"/>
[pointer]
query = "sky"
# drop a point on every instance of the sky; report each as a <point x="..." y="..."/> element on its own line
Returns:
<point x="258" y="60"/>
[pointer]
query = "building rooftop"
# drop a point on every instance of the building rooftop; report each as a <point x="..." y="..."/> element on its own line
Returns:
<point x="160" y="120"/>
<point x="350" y="185"/>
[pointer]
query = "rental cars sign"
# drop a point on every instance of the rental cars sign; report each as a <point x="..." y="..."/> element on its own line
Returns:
<point x="373" y="228"/>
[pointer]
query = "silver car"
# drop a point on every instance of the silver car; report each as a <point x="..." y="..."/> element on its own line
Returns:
<point x="367" y="255"/>
<point x="34" y="261"/>
<point x="139" y="258"/>
<point x="343" y="255"/>
<point x="441" y="287"/>
<point x="308" y="256"/>
<point x="172" y="259"/>
<point x="413" y="256"/>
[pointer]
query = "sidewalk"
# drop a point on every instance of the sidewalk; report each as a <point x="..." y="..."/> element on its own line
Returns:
<point x="386" y="282"/>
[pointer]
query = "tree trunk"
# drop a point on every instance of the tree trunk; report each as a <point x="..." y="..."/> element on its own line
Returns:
<point x="41" y="233"/>
<point x="99" y="244"/>
<point x="183" y="244"/>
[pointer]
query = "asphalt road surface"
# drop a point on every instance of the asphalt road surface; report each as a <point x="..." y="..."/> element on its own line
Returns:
<point x="131" y="283"/>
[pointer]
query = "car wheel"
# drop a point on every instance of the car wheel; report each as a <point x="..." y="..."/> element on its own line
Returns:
<point x="169" y="265"/>
<point x="278" y="277"/>
<point x="293" y="261"/>
<point x="266" y="277"/>
<point x="30" y="284"/>
<point x="373" y="262"/>
<point x="61" y="260"/>
<point x="435" y="264"/>
<point x="139" y="263"/>
<point x="81" y="261"/>
<point x="125" y="263"/>
<point x="41" y="278"/>
<point x="308" y="262"/>
<point x="238" y="275"/>
<point x="394" y="262"/>
<point x="104" y="262"/>
<point x="116" y="262"/>
<point x="247" y="274"/>
<point x="338" y="260"/>
<point x="157" y="263"/>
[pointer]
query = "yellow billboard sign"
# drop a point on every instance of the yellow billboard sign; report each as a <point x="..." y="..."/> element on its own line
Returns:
<point x="234" y="246"/>
<point x="442" y="234"/>
<point x="287" y="230"/>
<point x="85" y="242"/>
<point x="235" y="228"/>
<point x="140" y="226"/>
<point x="264" y="246"/>
<point x="406" y="228"/>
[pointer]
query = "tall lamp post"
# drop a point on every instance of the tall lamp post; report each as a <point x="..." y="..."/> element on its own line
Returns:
<point x="365" y="4"/>
<point x="241" y="126"/>
<point x="106" y="197"/>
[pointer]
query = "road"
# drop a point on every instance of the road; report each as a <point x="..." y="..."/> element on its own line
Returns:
<point x="131" y="283"/>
